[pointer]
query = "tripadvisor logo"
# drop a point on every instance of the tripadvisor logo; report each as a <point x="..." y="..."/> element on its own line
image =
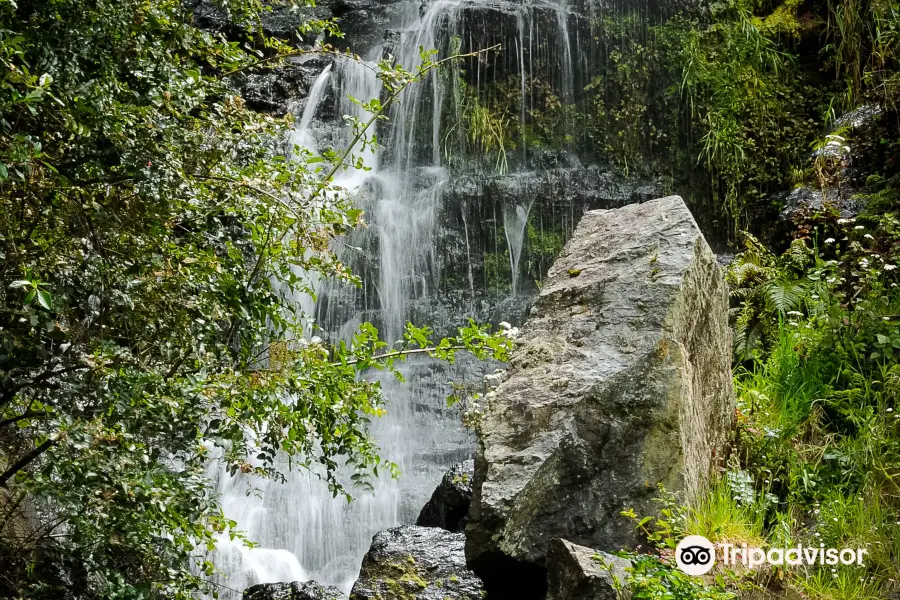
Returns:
<point x="696" y="555"/>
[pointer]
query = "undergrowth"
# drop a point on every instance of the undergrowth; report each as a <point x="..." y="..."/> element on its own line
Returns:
<point x="817" y="454"/>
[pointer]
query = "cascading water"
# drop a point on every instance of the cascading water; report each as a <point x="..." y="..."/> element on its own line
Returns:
<point x="515" y="221"/>
<point x="407" y="259"/>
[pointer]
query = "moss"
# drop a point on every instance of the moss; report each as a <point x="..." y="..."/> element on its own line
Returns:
<point x="497" y="272"/>
<point x="784" y="20"/>
<point x="400" y="580"/>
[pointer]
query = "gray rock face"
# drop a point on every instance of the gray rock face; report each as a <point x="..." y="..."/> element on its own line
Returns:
<point x="449" y="505"/>
<point x="574" y="574"/>
<point x="416" y="563"/>
<point x="279" y="90"/>
<point x="296" y="590"/>
<point x="802" y="200"/>
<point x="621" y="381"/>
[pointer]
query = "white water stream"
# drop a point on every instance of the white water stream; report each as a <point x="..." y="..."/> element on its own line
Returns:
<point x="302" y="531"/>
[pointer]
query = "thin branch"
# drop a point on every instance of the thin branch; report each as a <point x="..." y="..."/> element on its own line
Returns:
<point x="399" y="353"/>
<point x="322" y="50"/>
<point x="252" y="188"/>
<point x="271" y="59"/>
<point x="28" y="414"/>
<point x="9" y="394"/>
<point x="29" y="458"/>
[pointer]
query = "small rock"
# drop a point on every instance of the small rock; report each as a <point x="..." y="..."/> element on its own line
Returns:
<point x="801" y="200"/>
<point x="295" y="590"/>
<point x="858" y="117"/>
<point x="449" y="503"/>
<point x="416" y="563"/>
<point x="574" y="574"/>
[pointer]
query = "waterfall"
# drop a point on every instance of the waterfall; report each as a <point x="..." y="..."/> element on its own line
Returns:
<point x="407" y="259"/>
<point x="515" y="223"/>
<point x="301" y="135"/>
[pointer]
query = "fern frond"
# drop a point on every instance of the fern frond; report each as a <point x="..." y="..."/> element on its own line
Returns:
<point x="783" y="295"/>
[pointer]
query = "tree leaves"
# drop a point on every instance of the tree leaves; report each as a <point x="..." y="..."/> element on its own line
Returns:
<point x="152" y="234"/>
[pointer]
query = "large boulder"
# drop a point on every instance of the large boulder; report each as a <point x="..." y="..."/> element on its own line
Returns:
<point x="295" y="590"/>
<point x="578" y="573"/>
<point x="620" y="382"/>
<point x="416" y="563"/>
<point x="449" y="504"/>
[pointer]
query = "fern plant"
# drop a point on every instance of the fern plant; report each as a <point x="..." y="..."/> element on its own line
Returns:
<point x="764" y="289"/>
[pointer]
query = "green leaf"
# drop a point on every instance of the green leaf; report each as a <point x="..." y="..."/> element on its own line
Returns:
<point x="44" y="299"/>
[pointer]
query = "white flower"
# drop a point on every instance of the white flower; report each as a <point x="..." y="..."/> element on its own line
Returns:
<point x="511" y="333"/>
<point x="493" y="378"/>
<point x="829" y="241"/>
<point x="302" y="342"/>
<point x="859" y="227"/>
<point x="505" y="325"/>
<point x="890" y="410"/>
<point x="890" y="267"/>
<point x="795" y="313"/>
<point x="869" y="236"/>
<point x="315" y="340"/>
<point x="843" y="221"/>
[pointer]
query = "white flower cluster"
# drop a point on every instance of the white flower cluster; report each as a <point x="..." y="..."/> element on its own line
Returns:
<point x="508" y="330"/>
<point x="836" y="142"/>
<point x="304" y="343"/>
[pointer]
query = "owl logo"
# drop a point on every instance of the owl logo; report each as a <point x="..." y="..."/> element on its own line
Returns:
<point x="695" y="555"/>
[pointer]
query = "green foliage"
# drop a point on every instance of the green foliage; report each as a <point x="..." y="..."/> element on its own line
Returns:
<point x="152" y="238"/>
<point x="722" y="105"/>
<point x="761" y="294"/>
<point x="486" y="132"/>
<point x="498" y="272"/>
<point x="541" y="248"/>
<point x="817" y="423"/>
<point x="632" y="115"/>
<point x="719" y="517"/>
<point x="862" y="47"/>
<point x="480" y="128"/>
<point x="651" y="579"/>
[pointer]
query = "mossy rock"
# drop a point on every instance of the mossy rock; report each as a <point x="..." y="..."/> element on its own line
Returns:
<point x="416" y="563"/>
